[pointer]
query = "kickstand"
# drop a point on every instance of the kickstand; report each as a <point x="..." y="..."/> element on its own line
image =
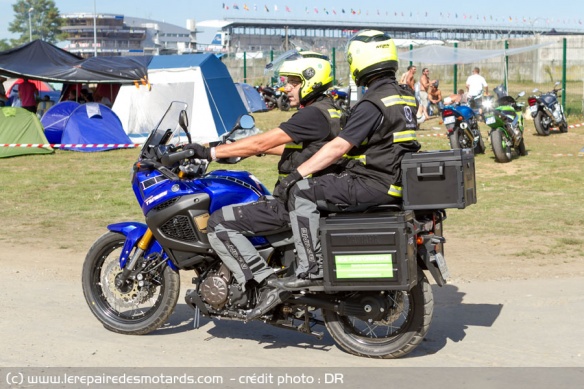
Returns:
<point x="196" y="318"/>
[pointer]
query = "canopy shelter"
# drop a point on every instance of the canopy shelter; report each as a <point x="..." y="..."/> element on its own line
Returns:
<point x="39" y="60"/>
<point x="447" y="55"/>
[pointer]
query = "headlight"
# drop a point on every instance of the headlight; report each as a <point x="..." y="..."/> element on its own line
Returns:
<point x="487" y="103"/>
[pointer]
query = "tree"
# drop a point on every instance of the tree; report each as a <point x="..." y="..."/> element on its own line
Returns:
<point x="39" y="18"/>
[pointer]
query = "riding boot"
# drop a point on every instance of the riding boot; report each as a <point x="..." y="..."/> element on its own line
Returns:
<point x="270" y="297"/>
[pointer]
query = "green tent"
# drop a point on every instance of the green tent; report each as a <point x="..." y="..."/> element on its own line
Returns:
<point x="21" y="127"/>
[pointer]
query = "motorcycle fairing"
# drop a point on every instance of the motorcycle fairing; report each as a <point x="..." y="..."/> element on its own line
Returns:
<point x="466" y="112"/>
<point x="133" y="231"/>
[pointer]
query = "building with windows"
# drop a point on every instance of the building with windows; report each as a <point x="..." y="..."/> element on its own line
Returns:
<point x="109" y="34"/>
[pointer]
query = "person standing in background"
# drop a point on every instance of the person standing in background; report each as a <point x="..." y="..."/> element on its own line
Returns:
<point x="3" y="98"/>
<point x="28" y="95"/>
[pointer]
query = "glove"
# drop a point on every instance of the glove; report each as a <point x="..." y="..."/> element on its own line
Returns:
<point x="201" y="152"/>
<point x="283" y="189"/>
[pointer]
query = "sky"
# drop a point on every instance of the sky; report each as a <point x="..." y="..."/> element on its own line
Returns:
<point x="540" y="13"/>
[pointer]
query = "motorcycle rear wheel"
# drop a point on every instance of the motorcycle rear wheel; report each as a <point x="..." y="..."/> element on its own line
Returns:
<point x="400" y="333"/>
<point x="454" y="140"/>
<point x="136" y="310"/>
<point x="540" y="126"/>
<point x="564" y="127"/>
<point x="522" y="149"/>
<point x="480" y="148"/>
<point x="501" y="150"/>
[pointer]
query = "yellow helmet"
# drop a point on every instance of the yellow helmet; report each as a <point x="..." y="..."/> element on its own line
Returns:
<point x="370" y="53"/>
<point x="315" y="73"/>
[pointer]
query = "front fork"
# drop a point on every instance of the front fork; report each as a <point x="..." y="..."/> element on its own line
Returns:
<point x="141" y="246"/>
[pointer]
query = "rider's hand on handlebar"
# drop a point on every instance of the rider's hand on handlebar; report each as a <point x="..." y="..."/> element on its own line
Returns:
<point x="283" y="189"/>
<point x="201" y="152"/>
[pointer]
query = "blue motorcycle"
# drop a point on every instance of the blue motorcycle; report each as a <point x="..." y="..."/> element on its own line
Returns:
<point x="462" y="128"/>
<point x="375" y="299"/>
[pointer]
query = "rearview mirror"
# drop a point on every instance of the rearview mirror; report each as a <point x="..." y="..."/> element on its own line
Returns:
<point x="521" y="94"/>
<point x="247" y="122"/>
<point x="183" y="122"/>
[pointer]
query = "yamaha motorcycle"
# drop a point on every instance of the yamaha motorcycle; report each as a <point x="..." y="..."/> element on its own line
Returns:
<point x="547" y="111"/>
<point x="462" y="128"/>
<point x="375" y="299"/>
<point x="506" y="127"/>
<point x="274" y="97"/>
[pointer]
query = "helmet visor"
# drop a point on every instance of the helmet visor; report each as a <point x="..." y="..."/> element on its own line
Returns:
<point x="362" y="36"/>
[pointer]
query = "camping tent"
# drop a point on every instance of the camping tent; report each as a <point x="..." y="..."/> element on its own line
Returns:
<point x="55" y="119"/>
<point x="251" y="98"/>
<point x="93" y="124"/>
<point x="200" y="80"/>
<point x="19" y="126"/>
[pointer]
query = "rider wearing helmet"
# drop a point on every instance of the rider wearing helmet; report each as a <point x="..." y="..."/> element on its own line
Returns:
<point x="380" y="130"/>
<point x="316" y="122"/>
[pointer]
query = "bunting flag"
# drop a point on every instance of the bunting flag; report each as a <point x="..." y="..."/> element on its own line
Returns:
<point x="323" y="12"/>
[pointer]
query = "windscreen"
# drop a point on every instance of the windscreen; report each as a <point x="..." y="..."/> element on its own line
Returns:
<point x="168" y="129"/>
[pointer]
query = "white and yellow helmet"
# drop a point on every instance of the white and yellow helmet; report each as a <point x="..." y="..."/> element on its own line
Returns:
<point x="315" y="73"/>
<point x="370" y="53"/>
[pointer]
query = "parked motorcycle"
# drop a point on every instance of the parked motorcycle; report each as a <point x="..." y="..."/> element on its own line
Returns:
<point x="275" y="97"/>
<point x="506" y="126"/>
<point x="375" y="299"/>
<point x="547" y="111"/>
<point x="462" y="128"/>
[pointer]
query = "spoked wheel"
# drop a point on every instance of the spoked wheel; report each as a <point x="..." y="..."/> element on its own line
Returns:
<point x="501" y="149"/>
<point x="396" y="332"/>
<point x="135" y="308"/>
<point x="541" y="123"/>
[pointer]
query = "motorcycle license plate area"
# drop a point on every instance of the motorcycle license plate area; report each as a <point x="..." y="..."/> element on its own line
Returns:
<point x="368" y="251"/>
<point x="449" y="119"/>
<point x="490" y="120"/>
<point x="533" y="108"/>
<point x="439" y="179"/>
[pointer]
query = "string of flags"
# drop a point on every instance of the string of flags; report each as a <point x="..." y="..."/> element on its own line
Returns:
<point x="460" y="16"/>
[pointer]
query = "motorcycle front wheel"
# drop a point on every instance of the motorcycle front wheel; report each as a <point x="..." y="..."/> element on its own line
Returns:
<point x="540" y="124"/>
<point x="400" y="332"/>
<point x="564" y="127"/>
<point x="284" y="103"/>
<point x="500" y="148"/>
<point x="133" y="309"/>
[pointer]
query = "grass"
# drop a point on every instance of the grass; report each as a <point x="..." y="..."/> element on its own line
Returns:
<point x="66" y="199"/>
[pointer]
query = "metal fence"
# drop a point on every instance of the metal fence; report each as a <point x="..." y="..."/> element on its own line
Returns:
<point x="562" y="60"/>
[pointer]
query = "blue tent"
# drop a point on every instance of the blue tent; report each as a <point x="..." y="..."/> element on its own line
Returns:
<point x="251" y="98"/>
<point x="91" y="124"/>
<point x="55" y="120"/>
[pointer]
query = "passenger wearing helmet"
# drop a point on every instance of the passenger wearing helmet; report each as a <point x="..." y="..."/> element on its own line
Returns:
<point x="296" y="140"/>
<point x="380" y="130"/>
